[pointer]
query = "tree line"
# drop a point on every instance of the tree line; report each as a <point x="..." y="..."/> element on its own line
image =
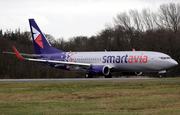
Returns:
<point x="142" y="30"/>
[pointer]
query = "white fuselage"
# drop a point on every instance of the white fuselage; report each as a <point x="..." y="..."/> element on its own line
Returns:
<point x="120" y="61"/>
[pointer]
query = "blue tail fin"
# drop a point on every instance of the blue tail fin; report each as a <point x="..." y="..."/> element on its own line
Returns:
<point x="41" y="45"/>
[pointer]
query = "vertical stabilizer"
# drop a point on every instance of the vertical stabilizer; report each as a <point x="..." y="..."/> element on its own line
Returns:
<point x="41" y="45"/>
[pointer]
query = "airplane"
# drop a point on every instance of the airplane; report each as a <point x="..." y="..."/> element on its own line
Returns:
<point x="102" y="63"/>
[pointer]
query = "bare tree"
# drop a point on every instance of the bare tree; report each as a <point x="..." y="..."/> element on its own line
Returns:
<point x="124" y="20"/>
<point x="137" y="20"/>
<point x="148" y="19"/>
<point x="169" y="16"/>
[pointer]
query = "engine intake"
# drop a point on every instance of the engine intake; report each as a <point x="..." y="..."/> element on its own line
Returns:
<point x="138" y="73"/>
<point x="99" y="70"/>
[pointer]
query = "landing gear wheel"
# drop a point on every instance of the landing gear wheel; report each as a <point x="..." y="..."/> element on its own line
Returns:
<point x="160" y="75"/>
<point x="108" y="76"/>
<point x="87" y="75"/>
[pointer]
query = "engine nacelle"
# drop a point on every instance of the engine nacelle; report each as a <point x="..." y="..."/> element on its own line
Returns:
<point x="138" y="73"/>
<point x="99" y="70"/>
<point x="132" y="73"/>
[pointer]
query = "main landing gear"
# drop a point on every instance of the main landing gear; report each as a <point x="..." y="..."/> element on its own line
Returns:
<point x="87" y="75"/>
<point x="108" y="76"/>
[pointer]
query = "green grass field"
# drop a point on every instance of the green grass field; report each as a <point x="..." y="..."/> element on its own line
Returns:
<point x="100" y="98"/>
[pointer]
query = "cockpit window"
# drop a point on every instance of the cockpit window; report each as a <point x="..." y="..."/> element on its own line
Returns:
<point x="165" y="57"/>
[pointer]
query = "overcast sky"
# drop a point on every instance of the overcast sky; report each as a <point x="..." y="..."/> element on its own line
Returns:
<point x="68" y="18"/>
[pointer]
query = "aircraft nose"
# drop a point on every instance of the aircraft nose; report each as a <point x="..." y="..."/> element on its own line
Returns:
<point x="173" y="63"/>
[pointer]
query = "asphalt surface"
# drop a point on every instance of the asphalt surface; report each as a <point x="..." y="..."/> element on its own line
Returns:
<point x="173" y="79"/>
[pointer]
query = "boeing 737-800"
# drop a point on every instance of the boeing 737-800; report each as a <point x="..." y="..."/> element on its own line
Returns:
<point x="96" y="63"/>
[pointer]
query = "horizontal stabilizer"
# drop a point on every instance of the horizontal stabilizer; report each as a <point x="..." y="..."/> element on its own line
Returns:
<point x="22" y="54"/>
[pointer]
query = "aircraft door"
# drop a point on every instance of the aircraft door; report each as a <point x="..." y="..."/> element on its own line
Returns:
<point x="152" y="60"/>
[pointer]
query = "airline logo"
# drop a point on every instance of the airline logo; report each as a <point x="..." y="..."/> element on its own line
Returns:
<point x="126" y="59"/>
<point x="37" y="37"/>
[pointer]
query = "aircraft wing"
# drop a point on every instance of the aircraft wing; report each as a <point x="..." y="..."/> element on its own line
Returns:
<point x="26" y="55"/>
<point x="86" y="65"/>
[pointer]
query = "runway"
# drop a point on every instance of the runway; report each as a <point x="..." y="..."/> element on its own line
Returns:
<point x="174" y="79"/>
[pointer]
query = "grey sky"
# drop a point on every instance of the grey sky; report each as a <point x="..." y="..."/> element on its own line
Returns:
<point x="68" y="18"/>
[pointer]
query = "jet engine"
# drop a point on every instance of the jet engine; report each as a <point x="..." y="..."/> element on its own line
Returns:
<point x="99" y="70"/>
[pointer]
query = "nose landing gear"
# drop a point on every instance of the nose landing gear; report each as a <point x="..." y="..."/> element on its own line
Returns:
<point x="161" y="72"/>
<point x="160" y="75"/>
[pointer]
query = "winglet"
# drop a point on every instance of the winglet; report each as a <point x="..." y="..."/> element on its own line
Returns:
<point x="17" y="53"/>
<point x="133" y="49"/>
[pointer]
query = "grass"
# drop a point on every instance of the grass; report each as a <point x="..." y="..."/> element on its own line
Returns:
<point x="100" y="98"/>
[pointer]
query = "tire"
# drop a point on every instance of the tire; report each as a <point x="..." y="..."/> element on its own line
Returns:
<point x="160" y="75"/>
<point x="87" y="75"/>
<point x="108" y="76"/>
